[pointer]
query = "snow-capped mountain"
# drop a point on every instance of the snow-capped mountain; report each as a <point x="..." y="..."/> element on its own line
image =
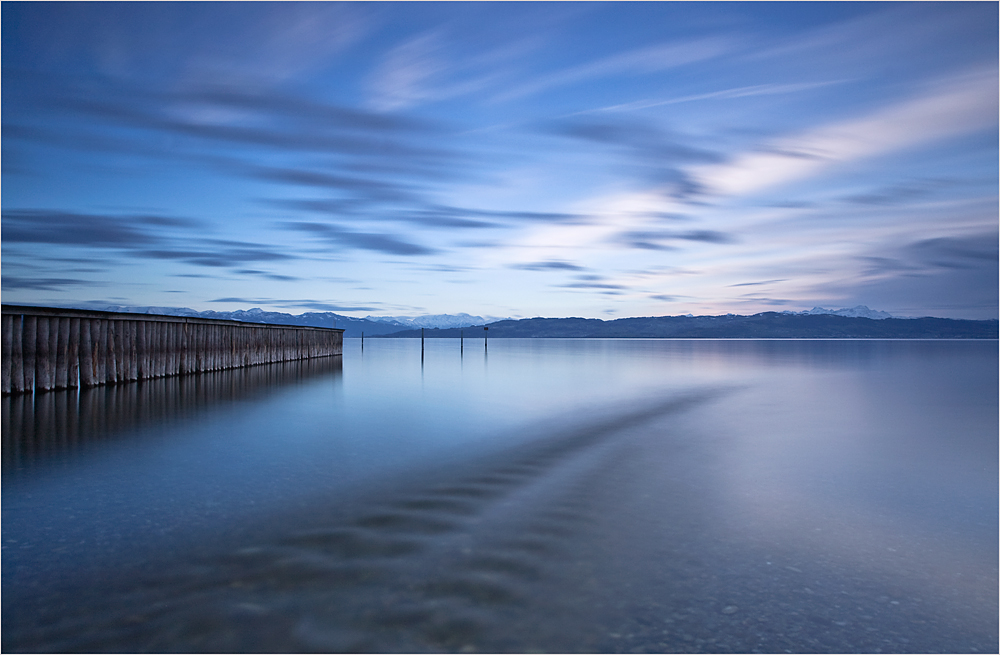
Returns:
<point x="434" y="320"/>
<point x="860" y="311"/>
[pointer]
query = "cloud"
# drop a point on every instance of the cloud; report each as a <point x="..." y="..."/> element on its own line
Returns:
<point x="654" y="154"/>
<point x="957" y="106"/>
<point x="404" y="77"/>
<point x="348" y="239"/>
<point x="85" y="230"/>
<point x="214" y="115"/>
<point x="306" y="303"/>
<point x="722" y="94"/>
<point x="650" y="59"/>
<point x="255" y="45"/>
<point x="595" y="282"/>
<point x="754" y="284"/>
<point x="550" y="265"/>
<point x="640" y="139"/>
<point x="655" y="239"/>
<point x="43" y="283"/>
<point x="265" y="274"/>
<point x="966" y="252"/>
<point x="374" y="190"/>
<point x="136" y="236"/>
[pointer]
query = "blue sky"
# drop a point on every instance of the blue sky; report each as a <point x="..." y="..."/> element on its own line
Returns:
<point x="502" y="159"/>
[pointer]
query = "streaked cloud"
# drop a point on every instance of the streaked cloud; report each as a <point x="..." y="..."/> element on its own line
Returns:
<point x="639" y="61"/>
<point x="966" y="104"/>
<point x="517" y="159"/>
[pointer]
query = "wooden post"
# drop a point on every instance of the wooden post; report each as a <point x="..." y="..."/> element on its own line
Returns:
<point x="7" y="332"/>
<point x="43" y="354"/>
<point x="99" y="336"/>
<point x="17" y="355"/>
<point x="461" y="341"/>
<point x="141" y="352"/>
<point x="175" y="335"/>
<point x="86" y="354"/>
<point x="121" y="350"/>
<point x="62" y="354"/>
<point x="161" y="349"/>
<point x="186" y="350"/>
<point x="30" y="329"/>
<point x="73" y="354"/>
<point x="133" y="350"/>
<point x="486" y="338"/>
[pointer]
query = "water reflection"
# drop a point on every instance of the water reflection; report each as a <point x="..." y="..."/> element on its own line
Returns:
<point x="37" y="427"/>
<point x="574" y="496"/>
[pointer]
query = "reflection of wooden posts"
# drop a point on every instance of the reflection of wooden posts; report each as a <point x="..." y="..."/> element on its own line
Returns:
<point x="45" y="349"/>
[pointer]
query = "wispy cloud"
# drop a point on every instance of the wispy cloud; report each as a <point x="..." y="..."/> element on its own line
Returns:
<point x="343" y="238"/>
<point x="639" y="61"/>
<point x="954" y="107"/>
<point x="722" y="94"/>
<point x="134" y="236"/>
<point x="550" y="265"/>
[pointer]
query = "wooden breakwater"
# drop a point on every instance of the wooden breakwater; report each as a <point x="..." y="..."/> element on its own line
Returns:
<point x="47" y="348"/>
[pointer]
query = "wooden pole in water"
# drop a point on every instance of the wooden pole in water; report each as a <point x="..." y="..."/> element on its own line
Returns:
<point x="73" y="354"/>
<point x="141" y="352"/>
<point x="86" y="354"/>
<point x="43" y="366"/>
<point x="99" y="336"/>
<point x="17" y="355"/>
<point x="131" y="356"/>
<point x="7" y="330"/>
<point x="461" y="341"/>
<point x="486" y="338"/>
<point x="29" y="330"/>
<point x="62" y="354"/>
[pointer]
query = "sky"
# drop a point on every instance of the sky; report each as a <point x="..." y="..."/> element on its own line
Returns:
<point x="600" y="160"/>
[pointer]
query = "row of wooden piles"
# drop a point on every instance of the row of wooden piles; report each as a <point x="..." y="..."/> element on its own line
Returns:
<point x="47" y="352"/>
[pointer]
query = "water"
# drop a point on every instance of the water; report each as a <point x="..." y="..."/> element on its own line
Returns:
<point x="549" y="495"/>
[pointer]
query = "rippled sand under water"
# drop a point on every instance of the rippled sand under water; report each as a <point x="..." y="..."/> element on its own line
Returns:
<point x="702" y="521"/>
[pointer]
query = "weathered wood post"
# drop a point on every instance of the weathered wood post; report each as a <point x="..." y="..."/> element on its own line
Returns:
<point x="99" y="335"/>
<point x="17" y="355"/>
<point x="62" y="354"/>
<point x="73" y="354"/>
<point x="7" y="330"/>
<point x="43" y="364"/>
<point x="86" y="354"/>
<point x="29" y="330"/>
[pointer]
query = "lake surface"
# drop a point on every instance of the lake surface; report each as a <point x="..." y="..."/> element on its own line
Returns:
<point x="546" y="495"/>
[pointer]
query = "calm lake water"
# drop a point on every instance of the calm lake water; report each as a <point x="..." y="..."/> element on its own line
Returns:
<point x="549" y="495"/>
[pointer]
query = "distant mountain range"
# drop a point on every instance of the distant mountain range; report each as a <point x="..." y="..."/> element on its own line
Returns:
<point x="434" y="320"/>
<point x="818" y="323"/>
<point x="859" y="311"/>
<point x="768" y="325"/>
